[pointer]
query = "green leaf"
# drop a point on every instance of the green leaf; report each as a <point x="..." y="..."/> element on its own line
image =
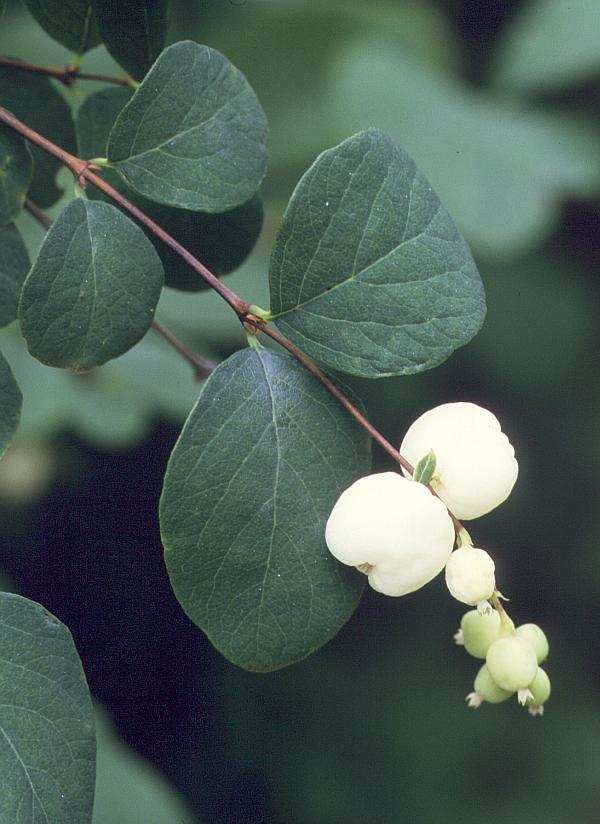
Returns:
<point x="425" y="468"/>
<point x="92" y="291"/>
<point x="33" y="99"/>
<point x="10" y="412"/>
<point x="250" y="484"/>
<point x="532" y="58"/>
<point x="70" y="22"/>
<point x="194" y="134"/>
<point x="47" y="738"/>
<point x="14" y="265"/>
<point x="221" y="241"/>
<point x="129" y="790"/>
<point x="16" y="170"/>
<point x="133" y="32"/>
<point x="369" y="274"/>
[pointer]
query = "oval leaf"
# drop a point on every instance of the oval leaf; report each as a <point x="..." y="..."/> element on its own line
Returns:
<point x="133" y="32"/>
<point x="221" y="241"/>
<point x="14" y="265"/>
<point x="369" y="274"/>
<point x="193" y="134"/>
<point x="70" y="23"/>
<point x="33" y="99"/>
<point x="10" y="411"/>
<point x="47" y="739"/>
<point x="92" y="291"/>
<point x="16" y="170"/>
<point x="250" y="484"/>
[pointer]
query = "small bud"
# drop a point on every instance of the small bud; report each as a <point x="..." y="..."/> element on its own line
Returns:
<point x="395" y="530"/>
<point x="479" y="631"/>
<point x="470" y="575"/>
<point x="512" y="663"/>
<point x="537" y="638"/>
<point x="486" y="689"/>
<point x="475" y="462"/>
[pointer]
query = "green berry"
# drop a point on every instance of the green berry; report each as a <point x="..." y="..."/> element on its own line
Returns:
<point x="537" y="638"/>
<point x="512" y="662"/>
<point x="486" y="689"/>
<point x="540" y="692"/>
<point x="479" y="630"/>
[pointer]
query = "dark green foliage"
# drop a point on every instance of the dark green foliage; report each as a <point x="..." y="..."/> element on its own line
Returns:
<point x="133" y="32"/>
<point x="47" y="738"/>
<point x="16" y="169"/>
<point x="369" y="273"/>
<point x="263" y="457"/>
<point x="70" y="22"/>
<point x="14" y="265"/>
<point x="93" y="289"/>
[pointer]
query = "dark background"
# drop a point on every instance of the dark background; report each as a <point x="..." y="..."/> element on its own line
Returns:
<point x="498" y="102"/>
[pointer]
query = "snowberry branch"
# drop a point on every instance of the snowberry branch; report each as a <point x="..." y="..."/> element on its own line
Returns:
<point x="67" y="75"/>
<point x="83" y="171"/>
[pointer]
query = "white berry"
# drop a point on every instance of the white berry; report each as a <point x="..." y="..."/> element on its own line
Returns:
<point x="478" y="631"/>
<point x="537" y="638"/>
<point x="540" y="692"/>
<point x="475" y="462"/>
<point x="470" y="575"/>
<point x="393" y="529"/>
<point x="486" y="689"/>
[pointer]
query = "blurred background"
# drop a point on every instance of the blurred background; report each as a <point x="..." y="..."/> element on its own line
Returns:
<point x="498" y="104"/>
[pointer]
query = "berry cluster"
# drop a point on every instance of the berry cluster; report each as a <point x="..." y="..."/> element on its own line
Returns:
<point x="400" y="532"/>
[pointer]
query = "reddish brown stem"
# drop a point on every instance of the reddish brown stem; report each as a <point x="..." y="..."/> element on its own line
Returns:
<point x="66" y="75"/>
<point x="82" y="172"/>
<point x="202" y="368"/>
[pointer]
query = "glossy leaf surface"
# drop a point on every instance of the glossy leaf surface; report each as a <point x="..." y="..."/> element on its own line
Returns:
<point x="35" y="101"/>
<point x="369" y="273"/>
<point x="221" y="241"/>
<point x="93" y="289"/>
<point x="14" y="265"/>
<point x="133" y="32"/>
<point x="47" y="739"/>
<point x="194" y="134"/>
<point x="70" y="22"/>
<point x="16" y="170"/>
<point x="250" y="484"/>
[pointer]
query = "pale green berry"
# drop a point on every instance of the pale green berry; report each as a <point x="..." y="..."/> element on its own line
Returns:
<point x="486" y="689"/>
<point x="540" y="692"/>
<point x="478" y="631"/>
<point x="537" y="638"/>
<point x="393" y="529"/>
<point x="512" y="663"/>
<point x="475" y="462"/>
<point x="470" y="575"/>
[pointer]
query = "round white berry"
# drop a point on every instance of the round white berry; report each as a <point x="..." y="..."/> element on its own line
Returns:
<point x="393" y="529"/>
<point x="470" y="575"/>
<point x="537" y="638"/>
<point x="540" y="692"/>
<point x="512" y="663"/>
<point x="475" y="462"/>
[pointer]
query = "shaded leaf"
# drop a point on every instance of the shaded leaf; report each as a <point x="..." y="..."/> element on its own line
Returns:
<point x="16" y="170"/>
<point x="33" y="99"/>
<point x="532" y="58"/>
<point x="129" y="790"/>
<point x="221" y="241"/>
<point x="369" y="274"/>
<point x="425" y="468"/>
<point x="69" y="22"/>
<point x="10" y="412"/>
<point x="14" y="265"/>
<point x="194" y="134"/>
<point x="250" y="484"/>
<point x="133" y="32"/>
<point x="501" y="171"/>
<point x="47" y="738"/>
<point x="92" y="291"/>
